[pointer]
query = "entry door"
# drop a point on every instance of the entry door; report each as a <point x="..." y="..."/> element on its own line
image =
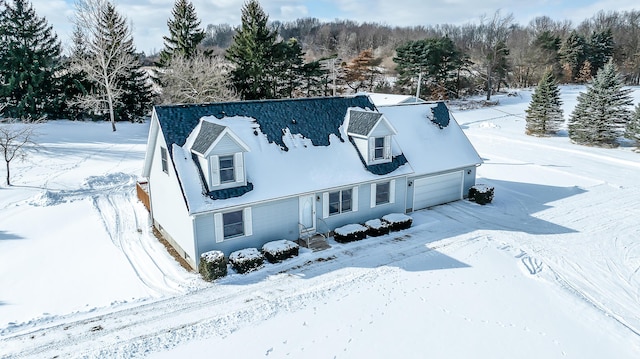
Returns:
<point x="307" y="214"/>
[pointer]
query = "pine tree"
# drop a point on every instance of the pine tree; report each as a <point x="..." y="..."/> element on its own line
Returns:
<point x="544" y="114"/>
<point x="572" y="53"/>
<point x="184" y="32"/>
<point x="600" y="49"/>
<point x="632" y="130"/>
<point x="29" y="60"/>
<point x="603" y="111"/>
<point x="252" y="54"/>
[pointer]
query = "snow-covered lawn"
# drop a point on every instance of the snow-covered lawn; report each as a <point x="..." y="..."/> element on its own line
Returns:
<point x="551" y="268"/>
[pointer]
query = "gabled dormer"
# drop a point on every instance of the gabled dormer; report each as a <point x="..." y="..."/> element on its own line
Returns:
<point x="220" y="154"/>
<point x="372" y="134"/>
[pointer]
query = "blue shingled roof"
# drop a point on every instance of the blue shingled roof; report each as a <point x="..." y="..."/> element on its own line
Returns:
<point x="440" y="115"/>
<point x="313" y="118"/>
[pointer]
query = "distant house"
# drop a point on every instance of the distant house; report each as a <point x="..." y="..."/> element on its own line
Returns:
<point x="228" y="176"/>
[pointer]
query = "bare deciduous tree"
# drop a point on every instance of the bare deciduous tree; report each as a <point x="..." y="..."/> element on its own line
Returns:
<point x="196" y="80"/>
<point x="107" y="57"/>
<point x="14" y="138"/>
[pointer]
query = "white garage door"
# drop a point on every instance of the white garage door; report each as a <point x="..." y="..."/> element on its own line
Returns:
<point x="431" y="191"/>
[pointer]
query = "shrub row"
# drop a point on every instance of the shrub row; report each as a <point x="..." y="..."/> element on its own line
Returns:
<point x="372" y="228"/>
<point x="213" y="264"/>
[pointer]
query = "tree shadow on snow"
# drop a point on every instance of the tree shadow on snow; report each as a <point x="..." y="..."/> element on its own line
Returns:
<point x="7" y="236"/>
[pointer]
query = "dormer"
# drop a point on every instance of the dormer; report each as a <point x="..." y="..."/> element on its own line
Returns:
<point x="220" y="154"/>
<point x="372" y="133"/>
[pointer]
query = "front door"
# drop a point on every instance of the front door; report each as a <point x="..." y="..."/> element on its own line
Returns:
<point x="307" y="214"/>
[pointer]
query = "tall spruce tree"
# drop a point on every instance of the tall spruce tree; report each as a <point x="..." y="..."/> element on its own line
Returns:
<point x="602" y="111"/>
<point x="252" y="53"/>
<point x="185" y="33"/>
<point x="544" y="114"/>
<point x="573" y="54"/>
<point x="29" y="60"/>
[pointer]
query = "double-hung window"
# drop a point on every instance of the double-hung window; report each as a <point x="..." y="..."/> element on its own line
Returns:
<point x="383" y="193"/>
<point x="340" y="201"/>
<point x="378" y="148"/>
<point x="233" y="224"/>
<point x="227" y="172"/>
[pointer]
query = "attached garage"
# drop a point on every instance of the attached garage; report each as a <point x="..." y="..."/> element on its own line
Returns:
<point x="434" y="190"/>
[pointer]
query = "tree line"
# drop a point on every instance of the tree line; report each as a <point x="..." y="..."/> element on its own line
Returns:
<point x="102" y="76"/>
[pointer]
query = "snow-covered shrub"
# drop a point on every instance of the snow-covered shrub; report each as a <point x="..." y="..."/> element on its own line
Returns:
<point x="246" y="260"/>
<point x="277" y="251"/>
<point x="481" y="194"/>
<point x="376" y="227"/>
<point x="350" y="233"/>
<point x="397" y="221"/>
<point x="212" y="265"/>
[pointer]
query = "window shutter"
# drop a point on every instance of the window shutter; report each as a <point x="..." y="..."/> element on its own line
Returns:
<point x="372" y="148"/>
<point x="214" y="163"/>
<point x="354" y="199"/>
<point x="325" y="205"/>
<point x="392" y="191"/>
<point x="387" y="147"/>
<point x="373" y="195"/>
<point x="219" y="227"/>
<point x="239" y="167"/>
<point x="248" y="223"/>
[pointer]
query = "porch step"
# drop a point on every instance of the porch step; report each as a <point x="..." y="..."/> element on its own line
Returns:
<point x="317" y="242"/>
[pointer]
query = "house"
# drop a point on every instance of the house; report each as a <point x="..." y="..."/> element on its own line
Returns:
<point x="234" y="175"/>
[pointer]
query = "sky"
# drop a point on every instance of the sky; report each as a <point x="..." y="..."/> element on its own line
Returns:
<point x="149" y="17"/>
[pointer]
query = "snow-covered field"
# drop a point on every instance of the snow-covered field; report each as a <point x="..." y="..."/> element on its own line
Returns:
<point x="550" y="269"/>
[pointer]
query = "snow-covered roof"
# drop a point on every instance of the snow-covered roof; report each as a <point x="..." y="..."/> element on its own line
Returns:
<point x="382" y="99"/>
<point x="297" y="163"/>
<point x="427" y="147"/>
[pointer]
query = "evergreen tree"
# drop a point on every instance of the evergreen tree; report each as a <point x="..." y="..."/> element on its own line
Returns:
<point x="287" y="69"/>
<point x="600" y="49"/>
<point x="137" y="93"/>
<point x="184" y="32"/>
<point x="252" y="53"/>
<point x="544" y="114"/>
<point x="437" y="60"/>
<point x="29" y="60"/>
<point x="572" y="54"/>
<point x="603" y="111"/>
<point x="632" y="131"/>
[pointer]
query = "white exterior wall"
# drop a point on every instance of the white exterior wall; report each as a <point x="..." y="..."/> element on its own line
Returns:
<point x="168" y="207"/>
<point x="363" y="147"/>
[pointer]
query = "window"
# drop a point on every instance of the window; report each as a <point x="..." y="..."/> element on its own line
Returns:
<point x="233" y="224"/>
<point x="227" y="173"/>
<point x="340" y="201"/>
<point x="163" y="156"/>
<point x="382" y="193"/>
<point x="378" y="149"/>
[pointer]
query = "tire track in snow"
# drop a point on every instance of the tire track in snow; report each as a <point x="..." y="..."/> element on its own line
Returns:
<point x="122" y="222"/>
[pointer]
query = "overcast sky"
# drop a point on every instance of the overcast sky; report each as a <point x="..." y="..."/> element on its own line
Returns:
<point x="149" y="17"/>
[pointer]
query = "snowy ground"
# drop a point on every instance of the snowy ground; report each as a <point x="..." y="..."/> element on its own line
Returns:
<point x="549" y="269"/>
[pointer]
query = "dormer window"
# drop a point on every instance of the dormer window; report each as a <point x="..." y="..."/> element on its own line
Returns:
<point x="371" y="132"/>
<point x="227" y="169"/>
<point x="219" y="154"/>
